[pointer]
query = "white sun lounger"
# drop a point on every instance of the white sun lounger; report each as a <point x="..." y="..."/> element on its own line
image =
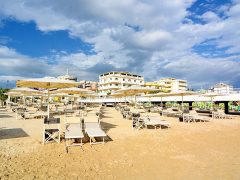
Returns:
<point x="155" y="121"/>
<point x="30" y="115"/>
<point x="94" y="130"/>
<point x="73" y="131"/>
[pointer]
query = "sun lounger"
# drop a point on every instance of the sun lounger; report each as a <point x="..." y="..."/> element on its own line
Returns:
<point x="155" y="122"/>
<point x="194" y="118"/>
<point x="30" y="115"/>
<point x="73" y="131"/>
<point x="94" y="130"/>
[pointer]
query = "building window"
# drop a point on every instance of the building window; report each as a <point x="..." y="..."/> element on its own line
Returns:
<point x="116" y="78"/>
<point x="135" y="81"/>
<point x="123" y="79"/>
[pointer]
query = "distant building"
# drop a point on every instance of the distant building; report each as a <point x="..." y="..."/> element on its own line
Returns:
<point x="222" y="88"/>
<point x="67" y="77"/>
<point x="89" y="85"/>
<point x="173" y="84"/>
<point x="112" y="81"/>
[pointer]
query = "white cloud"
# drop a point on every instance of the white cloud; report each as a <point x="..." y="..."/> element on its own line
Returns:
<point x="162" y="46"/>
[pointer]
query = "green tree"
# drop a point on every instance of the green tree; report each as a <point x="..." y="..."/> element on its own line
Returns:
<point x="3" y="97"/>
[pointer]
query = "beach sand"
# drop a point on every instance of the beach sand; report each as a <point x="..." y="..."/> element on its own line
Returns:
<point x="203" y="150"/>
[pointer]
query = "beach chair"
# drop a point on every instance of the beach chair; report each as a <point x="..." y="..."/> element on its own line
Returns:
<point x="94" y="130"/>
<point x="73" y="131"/>
<point x="51" y="130"/>
<point x="137" y="122"/>
<point x="188" y="118"/>
<point x="155" y="122"/>
<point x="36" y="114"/>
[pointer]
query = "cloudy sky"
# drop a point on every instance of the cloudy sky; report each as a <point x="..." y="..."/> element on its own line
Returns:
<point x="194" y="40"/>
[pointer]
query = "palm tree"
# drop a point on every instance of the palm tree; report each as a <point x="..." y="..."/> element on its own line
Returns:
<point x="3" y="97"/>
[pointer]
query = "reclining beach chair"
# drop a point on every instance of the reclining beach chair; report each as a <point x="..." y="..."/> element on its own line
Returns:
<point x="155" y="122"/>
<point x="73" y="131"/>
<point x="36" y="114"/>
<point x="94" y="130"/>
<point x="51" y="130"/>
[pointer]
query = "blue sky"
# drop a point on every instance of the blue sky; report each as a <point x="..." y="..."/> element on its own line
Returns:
<point x="194" y="40"/>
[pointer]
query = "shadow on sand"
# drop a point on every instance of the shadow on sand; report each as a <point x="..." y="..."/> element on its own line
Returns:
<point x="5" y="116"/>
<point x="12" y="133"/>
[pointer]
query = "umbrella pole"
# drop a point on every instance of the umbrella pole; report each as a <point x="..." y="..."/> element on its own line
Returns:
<point x="182" y="103"/>
<point x="161" y="105"/>
<point x="135" y="100"/>
<point x="48" y="105"/>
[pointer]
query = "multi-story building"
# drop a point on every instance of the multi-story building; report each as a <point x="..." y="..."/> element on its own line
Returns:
<point x="89" y="85"/>
<point x="173" y="84"/>
<point x="222" y="88"/>
<point x="112" y="81"/>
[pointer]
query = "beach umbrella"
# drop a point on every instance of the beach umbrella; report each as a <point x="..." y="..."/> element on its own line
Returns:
<point x="78" y="91"/>
<point x="211" y="95"/>
<point x="182" y="94"/>
<point x="160" y="94"/>
<point x="18" y="94"/>
<point x="24" y="91"/>
<point x="46" y="83"/>
<point x="75" y="90"/>
<point x="117" y="95"/>
<point x="13" y="94"/>
<point x="134" y="90"/>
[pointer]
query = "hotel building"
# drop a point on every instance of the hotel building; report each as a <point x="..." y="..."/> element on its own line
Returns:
<point x="112" y="81"/>
<point x="173" y="84"/>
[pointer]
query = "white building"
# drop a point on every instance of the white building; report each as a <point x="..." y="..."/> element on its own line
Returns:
<point x="222" y="88"/>
<point x="112" y="81"/>
<point x="173" y="84"/>
<point x="67" y="77"/>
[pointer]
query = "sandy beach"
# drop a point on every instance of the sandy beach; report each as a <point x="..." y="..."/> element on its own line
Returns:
<point x="202" y="150"/>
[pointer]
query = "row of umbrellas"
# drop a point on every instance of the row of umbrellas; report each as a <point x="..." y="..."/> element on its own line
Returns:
<point x="137" y="90"/>
<point x="70" y="87"/>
